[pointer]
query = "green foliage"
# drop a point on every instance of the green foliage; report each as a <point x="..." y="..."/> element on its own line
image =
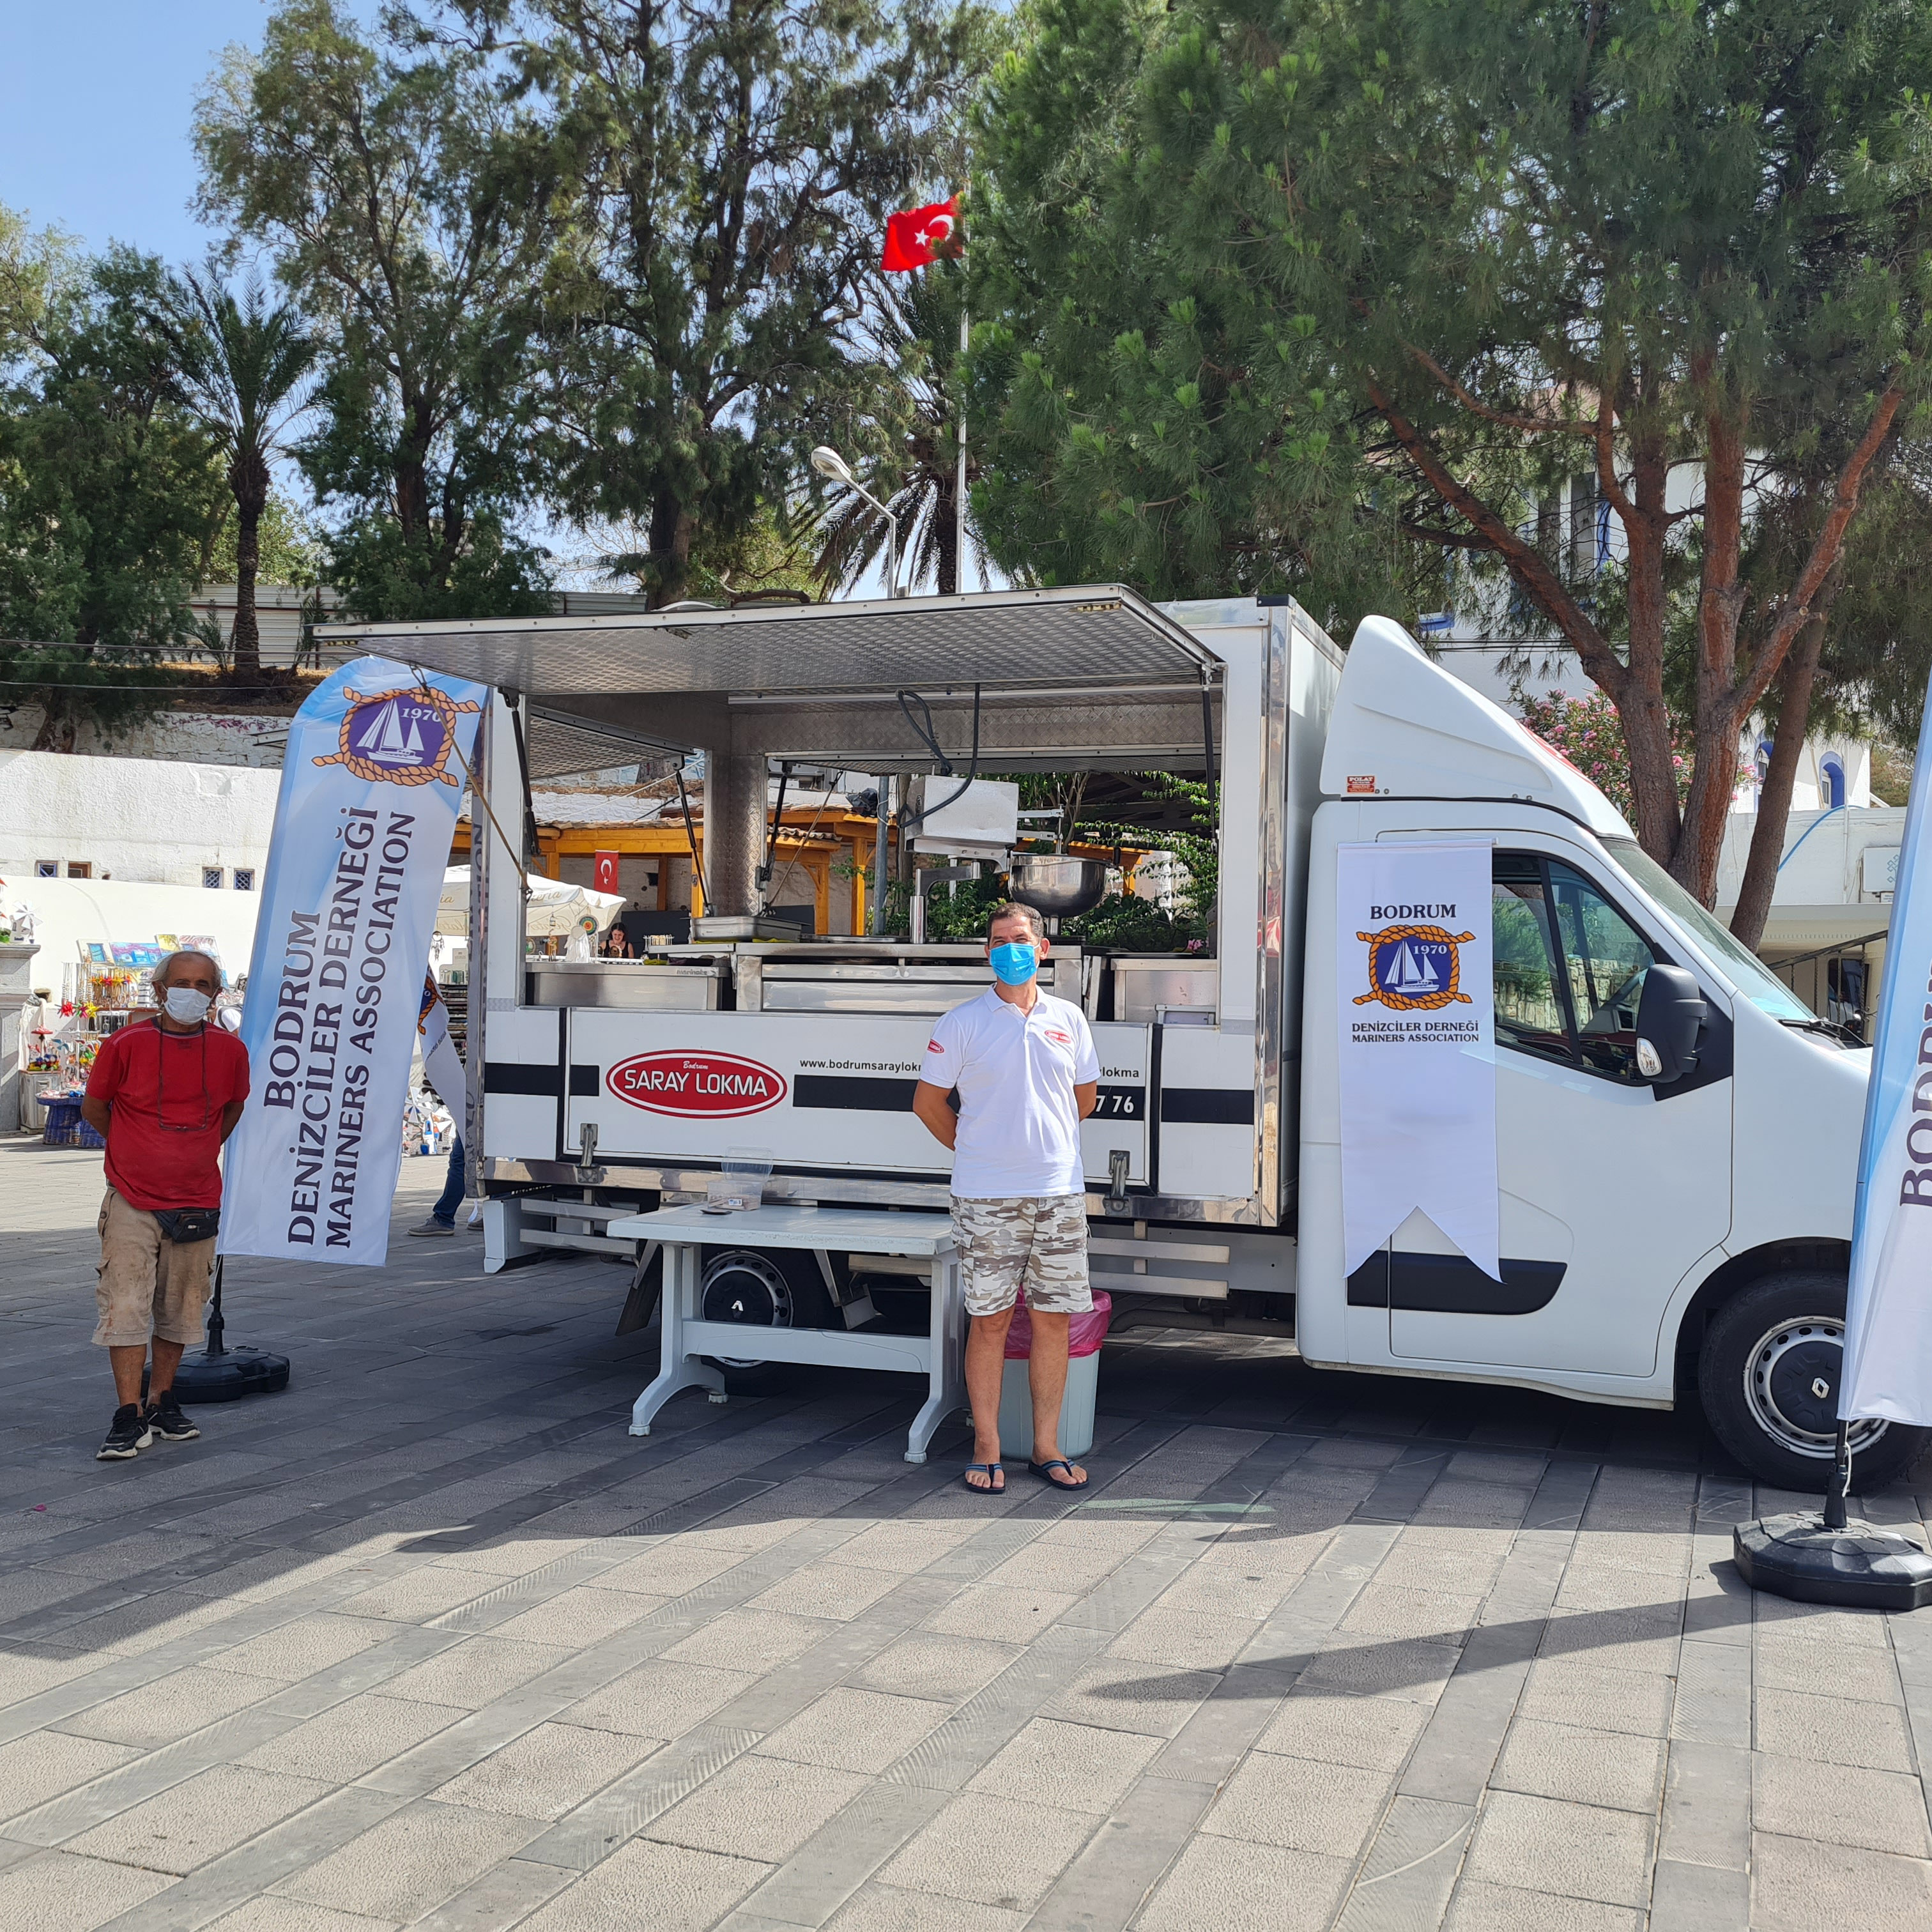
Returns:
<point x="1126" y="923"/>
<point x="915" y="335"/>
<point x="289" y="545"/>
<point x="388" y="575"/>
<point x="1163" y="408"/>
<point x="1485" y="245"/>
<point x="242" y="363"/>
<point x="716" y="178"/>
<point x="383" y="179"/>
<point x="109" y="492"/>
<point x="757" y="559"/>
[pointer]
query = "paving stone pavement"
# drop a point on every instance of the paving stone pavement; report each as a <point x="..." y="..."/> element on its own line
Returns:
<point x="430" y="1641"/>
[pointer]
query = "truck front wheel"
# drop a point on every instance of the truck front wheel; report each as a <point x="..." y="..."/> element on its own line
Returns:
<point x="1768" y="1375"/>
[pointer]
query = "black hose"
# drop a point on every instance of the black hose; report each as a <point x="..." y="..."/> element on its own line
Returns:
<point x="778" y="818"/>
<point x="926" y="731"/>
<point x="691" y="839"/>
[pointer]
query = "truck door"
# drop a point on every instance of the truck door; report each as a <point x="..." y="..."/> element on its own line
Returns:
<point x="1611" y="1188"/>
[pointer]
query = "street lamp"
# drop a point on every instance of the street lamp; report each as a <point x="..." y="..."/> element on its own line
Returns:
<point x="829" y="463"/>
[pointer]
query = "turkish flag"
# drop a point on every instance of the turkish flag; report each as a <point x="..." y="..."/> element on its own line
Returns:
<point x="921" y="235"/>
<point x="607" y="872"/>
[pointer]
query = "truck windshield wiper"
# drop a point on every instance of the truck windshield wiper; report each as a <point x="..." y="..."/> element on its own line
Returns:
<point x="1831" y="1029"/>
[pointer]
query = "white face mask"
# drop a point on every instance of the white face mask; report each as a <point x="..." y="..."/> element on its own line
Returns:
<point x="183" y="1005"/>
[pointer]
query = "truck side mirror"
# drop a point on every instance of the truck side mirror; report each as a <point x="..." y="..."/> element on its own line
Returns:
<point x="1670" y="1014"/>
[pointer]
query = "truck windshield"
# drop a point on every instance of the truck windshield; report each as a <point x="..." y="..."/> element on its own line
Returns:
<point x="1745" y="970"/>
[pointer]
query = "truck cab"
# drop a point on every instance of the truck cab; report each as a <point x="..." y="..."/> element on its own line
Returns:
<point x="1662" y="1237"/>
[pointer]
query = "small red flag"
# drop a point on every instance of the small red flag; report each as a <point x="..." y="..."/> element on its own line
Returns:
<point x="921" y="235"/>
<point x="606" y="872"/>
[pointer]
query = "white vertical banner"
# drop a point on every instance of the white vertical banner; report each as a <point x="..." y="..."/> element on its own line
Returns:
<point x="1887" y="1369"/>
<point x="441" y="1061"/>
<point x="1416" y="1015"/>
<point x="371" y="780"/>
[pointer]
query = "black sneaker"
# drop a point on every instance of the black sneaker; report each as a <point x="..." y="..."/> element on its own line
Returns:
<point x="127" y="1437"/>
<point x="166" y="1419"/>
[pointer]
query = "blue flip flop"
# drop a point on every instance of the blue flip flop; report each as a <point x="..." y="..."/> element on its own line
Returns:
<point x="1041" y="1470"/>
<point x="992" y="1469"/>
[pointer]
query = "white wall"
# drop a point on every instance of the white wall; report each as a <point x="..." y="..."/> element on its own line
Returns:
<point x="70" y="914"/>
<point x="131" y="819"/>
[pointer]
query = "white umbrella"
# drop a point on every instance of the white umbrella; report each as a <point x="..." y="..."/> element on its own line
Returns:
<point x="555" y="908"/>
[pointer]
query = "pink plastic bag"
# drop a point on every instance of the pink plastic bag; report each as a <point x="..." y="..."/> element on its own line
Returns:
<point x="1085" y="1332"/>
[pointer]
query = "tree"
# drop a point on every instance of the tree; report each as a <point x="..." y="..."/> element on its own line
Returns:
<point x="243" y="362"/>
<point x="915" y="334"/>
<point x="1672" y="249"/>
<point x="1862" y="665"/>
<point x="1588" y="732"/>
<point x="378" y="178"/>
<point x="719" y="174"/>
<point x="109" y="493"/>
<point x="1157" y="413"/>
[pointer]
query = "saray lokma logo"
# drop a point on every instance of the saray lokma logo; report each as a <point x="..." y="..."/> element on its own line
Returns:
<point x="399" y="737"/>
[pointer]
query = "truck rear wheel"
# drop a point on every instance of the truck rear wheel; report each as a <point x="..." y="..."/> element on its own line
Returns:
<point x="1768" y="1375"/>
<point x="756" y="1289"/>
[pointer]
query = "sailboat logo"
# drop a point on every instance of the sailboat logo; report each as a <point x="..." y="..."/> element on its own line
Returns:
<point x="1415" y="967"/>
<point x="401" y="737"/>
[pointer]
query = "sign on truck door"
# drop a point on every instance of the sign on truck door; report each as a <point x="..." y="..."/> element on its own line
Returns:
<point x="1612" y="1190"/>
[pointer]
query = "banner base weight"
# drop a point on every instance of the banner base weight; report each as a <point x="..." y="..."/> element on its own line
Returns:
<point x="1862" y="1566"/>
<point x="230" y="1376"/>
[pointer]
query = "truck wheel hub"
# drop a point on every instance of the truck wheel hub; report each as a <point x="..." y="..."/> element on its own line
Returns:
<point x="1791" y="1387"/>
<point x="746" y="1289"/>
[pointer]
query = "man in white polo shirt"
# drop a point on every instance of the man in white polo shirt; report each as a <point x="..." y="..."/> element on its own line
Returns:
<point x="1023" y="1065"/>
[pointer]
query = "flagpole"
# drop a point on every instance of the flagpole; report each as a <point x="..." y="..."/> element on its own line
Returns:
<point x="959" y="487"/>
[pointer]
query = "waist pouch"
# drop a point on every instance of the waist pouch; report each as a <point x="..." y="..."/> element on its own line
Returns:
<point x="183" y="1226"/>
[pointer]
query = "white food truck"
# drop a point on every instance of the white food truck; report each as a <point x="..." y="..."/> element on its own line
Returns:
<point x="1676" y="1133"/>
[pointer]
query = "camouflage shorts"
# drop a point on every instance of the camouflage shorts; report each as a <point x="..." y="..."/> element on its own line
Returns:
<point x="1038" y="1241"/>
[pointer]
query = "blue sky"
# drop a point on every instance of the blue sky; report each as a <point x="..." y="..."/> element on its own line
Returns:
<point x="98" y="94"/>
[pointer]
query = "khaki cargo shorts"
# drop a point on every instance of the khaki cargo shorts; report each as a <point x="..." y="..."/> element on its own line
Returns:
<point x="1038" y="1241"/>
<point x="148" y="1286"/>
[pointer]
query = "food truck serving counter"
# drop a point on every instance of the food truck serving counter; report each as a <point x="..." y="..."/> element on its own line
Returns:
<point x="1667" y="1219"/>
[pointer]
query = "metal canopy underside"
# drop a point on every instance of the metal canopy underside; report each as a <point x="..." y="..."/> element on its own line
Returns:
<point x="558" y="746"/>
<point x="1105" y="636"/>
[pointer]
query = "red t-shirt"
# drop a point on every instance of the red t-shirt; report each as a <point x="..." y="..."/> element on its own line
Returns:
<point x="167" y="1091"/>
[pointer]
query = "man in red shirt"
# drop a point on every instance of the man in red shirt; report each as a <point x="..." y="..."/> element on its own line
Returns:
<point x="166" y="1092"/>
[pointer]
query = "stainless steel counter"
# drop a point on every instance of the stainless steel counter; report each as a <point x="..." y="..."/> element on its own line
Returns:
<point x="639" y="985"/>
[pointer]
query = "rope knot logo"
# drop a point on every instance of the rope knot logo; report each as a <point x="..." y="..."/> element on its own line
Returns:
<point x="1414" y="968"/>
<point x="398" y="737"/>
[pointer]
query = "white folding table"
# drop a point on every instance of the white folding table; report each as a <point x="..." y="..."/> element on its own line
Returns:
<point x="938" y="1354"/>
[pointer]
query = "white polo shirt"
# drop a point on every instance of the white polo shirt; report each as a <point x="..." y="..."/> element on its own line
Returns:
<point x="1019" y="1123"/>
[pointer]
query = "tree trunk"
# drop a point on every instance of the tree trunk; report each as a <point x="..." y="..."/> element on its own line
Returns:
<point x="1641" y="708"/>
<point x="1773" y="803"/>
<point x="248" y="477"/>
<point x="1716" y="717"/>
<point x="946" y="535"/>
<point x="668" y="564"/>
<point x="59" y="728"/>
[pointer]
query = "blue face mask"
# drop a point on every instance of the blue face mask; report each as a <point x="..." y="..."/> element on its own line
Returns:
<point x="1014" y="964"/>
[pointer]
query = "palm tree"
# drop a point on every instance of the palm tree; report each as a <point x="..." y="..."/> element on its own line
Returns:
<point x="242" y="365"/>
<point x="916" y="333"/>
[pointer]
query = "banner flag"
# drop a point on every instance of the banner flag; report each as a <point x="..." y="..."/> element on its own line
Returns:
<point x="371" y="782"/>
<point x="920" y="235"/>
<point x="1417" y="1013"/>
<point x="441" y="1060"/>
<point x="1887" y="1369"/>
